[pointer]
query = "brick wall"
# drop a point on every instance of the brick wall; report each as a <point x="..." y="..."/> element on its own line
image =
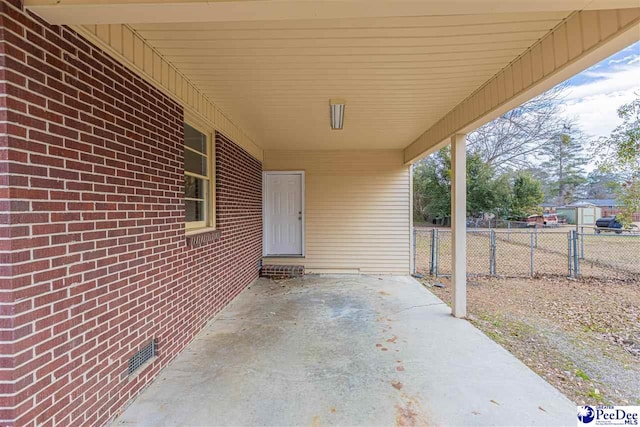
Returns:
<point x="615" y="211"/>
<point x="95" y="262"/>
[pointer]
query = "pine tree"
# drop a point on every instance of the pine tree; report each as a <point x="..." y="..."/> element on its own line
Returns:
<point x="564" y="167"/>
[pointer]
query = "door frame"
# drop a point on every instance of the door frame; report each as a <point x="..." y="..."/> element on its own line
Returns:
<point x="265" y="174"/>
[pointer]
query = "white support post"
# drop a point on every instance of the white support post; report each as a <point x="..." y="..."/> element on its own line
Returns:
<point x="459" y="224"/>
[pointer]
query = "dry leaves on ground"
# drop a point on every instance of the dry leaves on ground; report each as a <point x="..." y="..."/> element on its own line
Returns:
<point x="582" y="336"/>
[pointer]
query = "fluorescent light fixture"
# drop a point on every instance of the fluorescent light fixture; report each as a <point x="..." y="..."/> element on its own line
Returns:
<point x="336" y="113"/>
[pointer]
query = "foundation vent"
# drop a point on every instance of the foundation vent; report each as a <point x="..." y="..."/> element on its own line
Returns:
<point x="145" y="354"/>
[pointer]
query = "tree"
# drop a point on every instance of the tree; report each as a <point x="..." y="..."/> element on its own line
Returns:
<point x="564" y="168"/>
<point x="620" y="153"/>
<point x="511" y="141"/>
<point x="486" y="193"/>
<point x="602" y="185"/>
<point x="526" y="196"/>
<point x="432" y="186"/>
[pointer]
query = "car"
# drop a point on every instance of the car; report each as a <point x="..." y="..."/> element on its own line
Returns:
<point x="550" y="220"/>
<point x="610" y="223"/>
<point x="534" y="220"/>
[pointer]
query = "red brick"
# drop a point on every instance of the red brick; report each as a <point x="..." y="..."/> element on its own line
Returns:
<point x="98" y="261"/>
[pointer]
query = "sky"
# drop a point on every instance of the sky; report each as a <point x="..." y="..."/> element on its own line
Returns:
<point x="594" y="95"/>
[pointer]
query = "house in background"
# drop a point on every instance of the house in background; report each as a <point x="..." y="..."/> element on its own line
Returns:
<point x="610" y="207"/>
<point x="154" y="155"/>
<point x="604" y="207"/>
<point x="601" y="203"/>
<point x="549" y="207"/>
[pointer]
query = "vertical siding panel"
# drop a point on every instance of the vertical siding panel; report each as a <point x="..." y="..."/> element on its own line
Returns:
<point x="493" y="93"/>
<point x="548" y="55"/>
<point x="608" y="23"/>
<point x="165" y="74"/>
<point x="500" y="85"/>
<point x="517" y="76"/>
<point x="91" y="28"/>
<point x="508" y="82"/>
<point x="626" y="16"/>
<point x="138" y="52"/>
<point x="172" y="80"/>
<point x="574" y="36"/>
<point x="590" y="29"/>
<point x="179" y="92"/>
<point x="537" y="70"/>
<point x="148" y="60"/>
<point x="128" y="44"/>
<point x="102" y="31"/>
<point x="527" y="78"/>
<point x="116" y="37"/>
<point x="157" y="67"/>
<point x="560" y="49"/>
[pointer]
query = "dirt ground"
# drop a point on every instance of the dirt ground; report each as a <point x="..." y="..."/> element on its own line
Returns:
<point x="581" y="336"/>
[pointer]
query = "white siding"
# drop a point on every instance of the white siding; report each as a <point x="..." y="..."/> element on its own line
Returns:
<point x="357" y="210"/>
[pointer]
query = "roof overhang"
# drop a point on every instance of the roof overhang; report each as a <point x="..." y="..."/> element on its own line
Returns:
<point x="412" y="72"/>
<point x="80" y="12"/>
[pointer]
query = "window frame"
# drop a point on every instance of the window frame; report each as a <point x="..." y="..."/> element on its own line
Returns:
<point x="209" y="222"/>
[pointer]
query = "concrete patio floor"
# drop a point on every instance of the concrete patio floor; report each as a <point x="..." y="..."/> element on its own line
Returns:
<point x="345" y="350"/>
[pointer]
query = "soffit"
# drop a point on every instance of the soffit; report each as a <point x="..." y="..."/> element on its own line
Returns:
<point x="398" y="75"/>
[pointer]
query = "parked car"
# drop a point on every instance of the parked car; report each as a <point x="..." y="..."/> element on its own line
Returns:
<point x="550" y="220"/>
<point x="546" y="220"/>
<point x="610" y="223"/>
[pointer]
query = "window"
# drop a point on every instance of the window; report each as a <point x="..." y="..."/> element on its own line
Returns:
<point x="198" y="179"/>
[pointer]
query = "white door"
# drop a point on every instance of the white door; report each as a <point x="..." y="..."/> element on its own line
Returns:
<point x="283" y="213"/>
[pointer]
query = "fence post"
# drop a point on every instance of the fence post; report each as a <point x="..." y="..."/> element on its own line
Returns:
<point x="569" y="254"/>
<point x="531" y="271"/>
<point x="536" y="231"/>
<point x="509" y="230"/>
<point x="414" y="269"/>
<point x="432" y="252"/>
<point x="437" y="252"/>
<point x="582" y="243"/>
<point x="576" y="255"/>
<point x="492" y="252"/>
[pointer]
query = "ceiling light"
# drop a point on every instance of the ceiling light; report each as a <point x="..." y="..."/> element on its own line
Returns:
<point x="336" y="113"/>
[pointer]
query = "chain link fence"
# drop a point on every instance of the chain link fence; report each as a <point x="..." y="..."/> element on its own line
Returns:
<point x="532" y="252"/>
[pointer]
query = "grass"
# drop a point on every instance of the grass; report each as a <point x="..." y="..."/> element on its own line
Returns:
<point x="595" y="394"/>
<point x="581" y="374"/>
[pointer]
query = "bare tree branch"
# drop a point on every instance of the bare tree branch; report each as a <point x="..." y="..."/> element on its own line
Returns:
<point x="508" y="142"/>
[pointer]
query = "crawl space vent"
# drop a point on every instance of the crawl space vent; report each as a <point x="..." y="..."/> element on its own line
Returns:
<point x="141" y="357"/>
